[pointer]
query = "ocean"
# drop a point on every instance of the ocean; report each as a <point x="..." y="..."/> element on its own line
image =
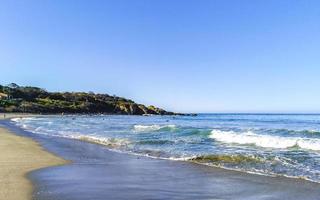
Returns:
<point x="267" y="144"/>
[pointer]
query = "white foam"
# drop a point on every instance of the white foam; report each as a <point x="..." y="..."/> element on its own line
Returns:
<point x="16" y="119"/>
<point x="313" y="144"/>
<point x="112" y="142"/>
<point x="19" y="119"/>
<point x="24" y="126"/>
<point x="155" y="127"/>
<point x="266" y="141"/>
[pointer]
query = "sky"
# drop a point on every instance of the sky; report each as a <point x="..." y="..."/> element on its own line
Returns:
<point x="181" y="55"/>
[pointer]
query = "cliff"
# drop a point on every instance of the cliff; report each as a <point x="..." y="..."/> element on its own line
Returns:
<point x="15" y="98"/>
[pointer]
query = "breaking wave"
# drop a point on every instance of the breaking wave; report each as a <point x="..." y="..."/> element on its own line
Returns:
<point x="291" y="150"/>
<point x="110" y="142"/>
<point x="266" y="141"/>
<point x="155" y="127"/>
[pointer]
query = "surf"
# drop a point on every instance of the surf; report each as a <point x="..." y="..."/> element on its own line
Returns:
<point x="265" y="141"/>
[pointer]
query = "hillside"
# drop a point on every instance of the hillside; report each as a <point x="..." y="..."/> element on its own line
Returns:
<point x="15" y="98"/>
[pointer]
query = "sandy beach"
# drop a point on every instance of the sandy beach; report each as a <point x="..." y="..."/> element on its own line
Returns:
<point x="159" y="100"/>
<point x="19" y="156"/>
<point x="98" y="173"/>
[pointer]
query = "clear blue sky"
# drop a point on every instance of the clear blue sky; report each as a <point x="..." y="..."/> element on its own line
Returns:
<point x="182" y="55"/>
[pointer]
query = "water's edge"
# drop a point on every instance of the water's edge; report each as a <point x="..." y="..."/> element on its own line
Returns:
<point x="50" y="183"/>
<point x="194" y="160"/>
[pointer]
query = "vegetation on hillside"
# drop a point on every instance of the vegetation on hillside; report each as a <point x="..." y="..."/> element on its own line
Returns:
<point x="15" y="98"/>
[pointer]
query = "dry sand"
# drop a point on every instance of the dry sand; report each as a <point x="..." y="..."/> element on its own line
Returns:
<point x="18" y="156"/>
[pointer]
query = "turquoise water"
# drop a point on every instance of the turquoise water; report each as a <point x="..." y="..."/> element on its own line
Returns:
<point x="287" y="145"/>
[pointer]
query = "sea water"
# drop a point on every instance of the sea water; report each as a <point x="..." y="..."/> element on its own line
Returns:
<point x="267" y="144"/>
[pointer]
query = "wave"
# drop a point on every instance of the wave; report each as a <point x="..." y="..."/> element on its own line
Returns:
<point x="43" y="130"/>
<point x="307" y="132"/>
<point x="110" y="142"/>
<point x="190" y="131"/>
<point x="155" y="127"/>
<point x="165" y="148"/>
<point x="20" y="119"/>
<point x="16" y="119"/>
<point x="251" y="164"/>
<point x="155" y="142"/>
<point x="266" y="141"/>
<point x="288" y="131"/>
<point x="232" y="159"/>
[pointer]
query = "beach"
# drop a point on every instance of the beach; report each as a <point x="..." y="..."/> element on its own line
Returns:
<point x="159" y="100"/>
<point x="19" y="156"/>
<point x="100" y="172"/>
<point x="16" y="115"/>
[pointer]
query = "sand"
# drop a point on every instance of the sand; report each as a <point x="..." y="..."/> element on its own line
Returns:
<point x="14" y="115"/>
<point x="98" y="173"/>
<point x="18" y="156"/>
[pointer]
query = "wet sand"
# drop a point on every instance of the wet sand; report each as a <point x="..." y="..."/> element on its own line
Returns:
<point x="14" y="115"/>
<point x="18" y="156"/>
<point x="98" y="173"/>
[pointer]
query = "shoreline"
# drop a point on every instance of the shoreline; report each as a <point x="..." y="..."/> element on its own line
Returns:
<point x="4" y="116"/>
<point x="24" y="115"/>
<point x="19" y="156"/>
<point x="97" y="172"/>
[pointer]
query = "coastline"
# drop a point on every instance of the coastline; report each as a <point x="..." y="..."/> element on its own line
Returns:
<point x="19" y="156"/>
<point x="4" y="116"/>
<point x="97" y="172"/>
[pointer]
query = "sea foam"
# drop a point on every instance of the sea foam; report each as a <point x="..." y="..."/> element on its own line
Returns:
<point x="155" y="127"/>
<point x="266" y="141"/>
<point x="111" y="142"/>
<point x="16" y="119"/>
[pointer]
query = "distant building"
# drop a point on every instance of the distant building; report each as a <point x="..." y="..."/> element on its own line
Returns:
<point x="3" y="96"/>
